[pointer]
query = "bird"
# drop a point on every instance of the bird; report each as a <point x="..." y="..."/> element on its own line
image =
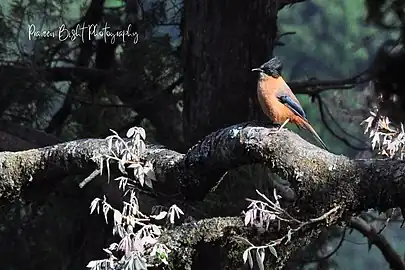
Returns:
<point x="277" y="99"/>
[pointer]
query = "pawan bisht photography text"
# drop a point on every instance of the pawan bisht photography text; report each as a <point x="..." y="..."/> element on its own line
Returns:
<point x="84" y="32"/>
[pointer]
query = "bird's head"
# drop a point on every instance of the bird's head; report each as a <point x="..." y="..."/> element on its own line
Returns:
<point x="272" y="67"/>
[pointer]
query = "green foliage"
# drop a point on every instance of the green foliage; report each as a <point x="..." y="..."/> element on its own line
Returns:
<point x="114" y="3"/>
<point x="332" y="41"/>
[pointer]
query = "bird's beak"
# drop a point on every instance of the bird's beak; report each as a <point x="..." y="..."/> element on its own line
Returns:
<point x="257" y="69"/>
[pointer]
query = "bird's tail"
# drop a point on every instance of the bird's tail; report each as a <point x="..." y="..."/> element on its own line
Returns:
<point x="308" y="127"/>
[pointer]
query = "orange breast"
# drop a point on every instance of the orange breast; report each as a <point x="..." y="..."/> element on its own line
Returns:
<point x="267" y="90"/>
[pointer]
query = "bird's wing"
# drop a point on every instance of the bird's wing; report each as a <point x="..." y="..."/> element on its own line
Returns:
<point x="292" y="105"/>
<point x="287" y="91"/>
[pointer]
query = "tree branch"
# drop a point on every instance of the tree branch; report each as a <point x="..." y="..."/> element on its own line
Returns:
<point x="322" y="109"/>
<point x="314" y="86"/>
<point x="321" y="179"/>
<point x="53" y="74"/>
<point x="14" y="137"/>
<point x="184" y="240"/>
<point x="283" y="3"/>
<point x="392" y="257"/>
<point x="193" y="174"/>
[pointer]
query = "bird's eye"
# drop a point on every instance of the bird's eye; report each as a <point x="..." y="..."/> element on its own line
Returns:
<point x="272" y="72"/>
<point x="267" y="71"/>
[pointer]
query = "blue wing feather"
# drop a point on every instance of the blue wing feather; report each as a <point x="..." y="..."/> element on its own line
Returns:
<point x="292" y="105"/>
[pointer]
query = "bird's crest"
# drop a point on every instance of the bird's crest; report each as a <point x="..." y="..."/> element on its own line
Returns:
<point x="272" y="67"/>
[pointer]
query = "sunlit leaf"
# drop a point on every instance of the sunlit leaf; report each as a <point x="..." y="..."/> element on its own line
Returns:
<point x="95" y="205"/>
<point x="260" y="254"/>
<point x="171" y="217"/>
<point x="250" y="259"/>
<point x="245" y="255"/>
<point x="248" y="217"/>
<point x="273" y="251"/>
<point x="160" y="216"/>
<point x="117" y="217"/>
<point x="121" y="167"/>
<point x="91" y="264"/>
<point x="148" y="183"/>
<point x="142" y="133"/>
<point x="106" y="208"/>
<point x="130" y="131"/>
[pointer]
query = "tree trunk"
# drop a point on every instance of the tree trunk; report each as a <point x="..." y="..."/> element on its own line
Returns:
<point x="222" y="42"/>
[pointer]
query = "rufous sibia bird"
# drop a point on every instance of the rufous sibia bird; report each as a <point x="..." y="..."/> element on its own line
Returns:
<point x="278" y="101"/>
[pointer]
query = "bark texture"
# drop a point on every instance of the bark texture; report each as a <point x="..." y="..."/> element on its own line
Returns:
<point x="222" y="42"/>
<point x="321" y="181"/>
<point x="313" y="172"/>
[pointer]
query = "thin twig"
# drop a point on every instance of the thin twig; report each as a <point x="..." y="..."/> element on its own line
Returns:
<point x="89" y="178"/>
<point x="329" y="128"/>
